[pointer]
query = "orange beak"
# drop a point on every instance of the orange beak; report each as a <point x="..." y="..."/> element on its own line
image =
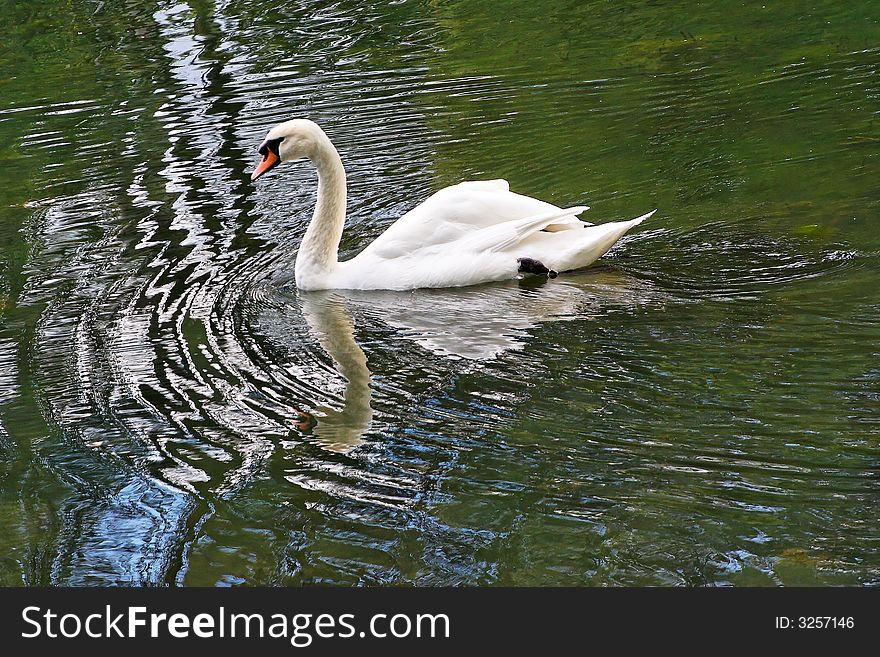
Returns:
<point x="270" y="160"/>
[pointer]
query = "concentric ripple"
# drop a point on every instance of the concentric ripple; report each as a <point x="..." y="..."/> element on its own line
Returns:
<point x="698" y="409"/>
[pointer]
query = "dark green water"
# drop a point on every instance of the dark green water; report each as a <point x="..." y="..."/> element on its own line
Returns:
<point x="701" y="409"/>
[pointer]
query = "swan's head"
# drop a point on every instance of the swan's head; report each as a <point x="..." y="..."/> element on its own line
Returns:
<point x="287" y="142"/>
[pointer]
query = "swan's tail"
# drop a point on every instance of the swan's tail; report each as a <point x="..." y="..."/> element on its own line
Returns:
<point x="638" y="220"/>
<point x="592" y="243"/>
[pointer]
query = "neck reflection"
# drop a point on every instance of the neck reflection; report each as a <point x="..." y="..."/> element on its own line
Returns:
<point x="332" y="326"/>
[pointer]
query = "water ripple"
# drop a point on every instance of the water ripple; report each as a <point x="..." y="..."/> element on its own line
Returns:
<point x="699" y="409"/>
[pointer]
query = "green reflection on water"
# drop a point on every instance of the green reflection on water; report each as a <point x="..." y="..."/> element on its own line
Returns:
<point x="710" y="418"/>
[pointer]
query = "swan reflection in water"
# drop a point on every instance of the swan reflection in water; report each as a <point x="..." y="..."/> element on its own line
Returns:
<point x="476" y="323"/>
<point x="332" y="325"/>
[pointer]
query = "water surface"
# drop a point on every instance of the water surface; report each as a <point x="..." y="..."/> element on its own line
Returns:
<point x="702" y="408"/>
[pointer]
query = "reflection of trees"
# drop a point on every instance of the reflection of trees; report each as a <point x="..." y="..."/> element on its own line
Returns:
<point x="651" y="113"/>
<point x="116" y="91"/>
<point x="61" y="66"/>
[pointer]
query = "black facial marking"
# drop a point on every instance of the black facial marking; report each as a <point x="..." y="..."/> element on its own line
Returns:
<point x="270" y="145"/>
<point x="532" y="266"/>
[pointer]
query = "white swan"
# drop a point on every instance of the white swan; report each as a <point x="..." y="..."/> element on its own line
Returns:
<point x="473" y="232"/>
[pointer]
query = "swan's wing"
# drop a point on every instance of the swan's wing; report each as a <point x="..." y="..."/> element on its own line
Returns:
<point x="457" y="212"/>
<point x="506" y="235"/>
<point x="497" y="185"/>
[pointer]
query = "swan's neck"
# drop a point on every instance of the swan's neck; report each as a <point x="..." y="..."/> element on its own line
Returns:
<point x="319" y="252"/>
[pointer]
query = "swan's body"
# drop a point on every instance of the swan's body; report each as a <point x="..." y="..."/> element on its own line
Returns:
<point x="473" y="232"/>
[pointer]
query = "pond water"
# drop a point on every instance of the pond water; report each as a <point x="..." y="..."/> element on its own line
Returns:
<point x="700" y="408"/>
